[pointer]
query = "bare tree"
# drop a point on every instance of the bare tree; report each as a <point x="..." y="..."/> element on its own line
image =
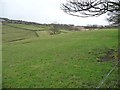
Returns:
<point x="86" y="8"/>
<point x="114" y="18"/>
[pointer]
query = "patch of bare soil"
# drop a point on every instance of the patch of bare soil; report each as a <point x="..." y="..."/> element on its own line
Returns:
<point x="105" y="54"/>
<point x="111" y="54"/>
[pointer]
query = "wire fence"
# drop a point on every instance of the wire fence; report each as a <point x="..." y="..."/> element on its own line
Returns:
<point x="105" y="78"/>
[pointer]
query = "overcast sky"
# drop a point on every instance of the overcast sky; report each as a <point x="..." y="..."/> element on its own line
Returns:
<point x="44" y="11"/>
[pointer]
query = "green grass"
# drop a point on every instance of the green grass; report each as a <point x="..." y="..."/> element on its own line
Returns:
<point x="59" y="61"/>
<point x="29" y="26"/>
<point x="10" y="33"/>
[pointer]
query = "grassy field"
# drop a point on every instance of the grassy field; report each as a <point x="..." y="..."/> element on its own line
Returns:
<point x="29" y="26"/>
<point x="10" y="34"/>
<point x="69" y="60"/>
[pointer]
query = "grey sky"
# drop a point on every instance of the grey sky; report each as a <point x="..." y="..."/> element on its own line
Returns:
<point x="44" y="11"/>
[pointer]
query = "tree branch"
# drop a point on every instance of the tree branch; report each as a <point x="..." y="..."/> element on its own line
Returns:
<point x="86" y="8"/>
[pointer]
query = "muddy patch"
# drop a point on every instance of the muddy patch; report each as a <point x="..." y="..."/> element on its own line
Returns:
<point x="110" y="55"/>
<point x="105" y="54"/>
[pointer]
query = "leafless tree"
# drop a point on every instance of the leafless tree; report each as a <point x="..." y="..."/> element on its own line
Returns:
<point x="86" y="8"/>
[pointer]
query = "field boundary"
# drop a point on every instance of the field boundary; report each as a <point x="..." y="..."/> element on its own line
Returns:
<point x="22" y="28"/>
<point x="25" y="29"/>
<point x="101" y="83"/>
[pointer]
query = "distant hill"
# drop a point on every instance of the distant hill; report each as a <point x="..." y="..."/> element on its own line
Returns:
<point x="61" y="26"/>
<point x="17" y="21"/>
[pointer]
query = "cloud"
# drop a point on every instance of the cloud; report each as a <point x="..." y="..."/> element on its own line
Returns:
<point x="44" y="11"/>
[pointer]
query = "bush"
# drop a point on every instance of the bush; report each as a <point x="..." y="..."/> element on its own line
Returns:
<point x="54" y="30"/>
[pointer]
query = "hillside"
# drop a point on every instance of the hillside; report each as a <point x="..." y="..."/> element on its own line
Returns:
<point x="70" y="60"/>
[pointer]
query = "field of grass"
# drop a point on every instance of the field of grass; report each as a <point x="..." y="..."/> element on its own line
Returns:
<point x="29" y="26"/>
<point x="67" y="60"/>
<point x="11" y="34"/>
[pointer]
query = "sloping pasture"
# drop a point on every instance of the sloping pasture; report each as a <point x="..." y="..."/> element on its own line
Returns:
<point x="67" y="60"/>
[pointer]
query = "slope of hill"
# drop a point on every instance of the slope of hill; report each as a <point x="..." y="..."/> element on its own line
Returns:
<point x="14" y="34"/>
<point x="70" y="60"/>
<point x="32" y="58"/>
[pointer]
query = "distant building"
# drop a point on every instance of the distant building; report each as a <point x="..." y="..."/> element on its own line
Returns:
<point x="79" y="28"/>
